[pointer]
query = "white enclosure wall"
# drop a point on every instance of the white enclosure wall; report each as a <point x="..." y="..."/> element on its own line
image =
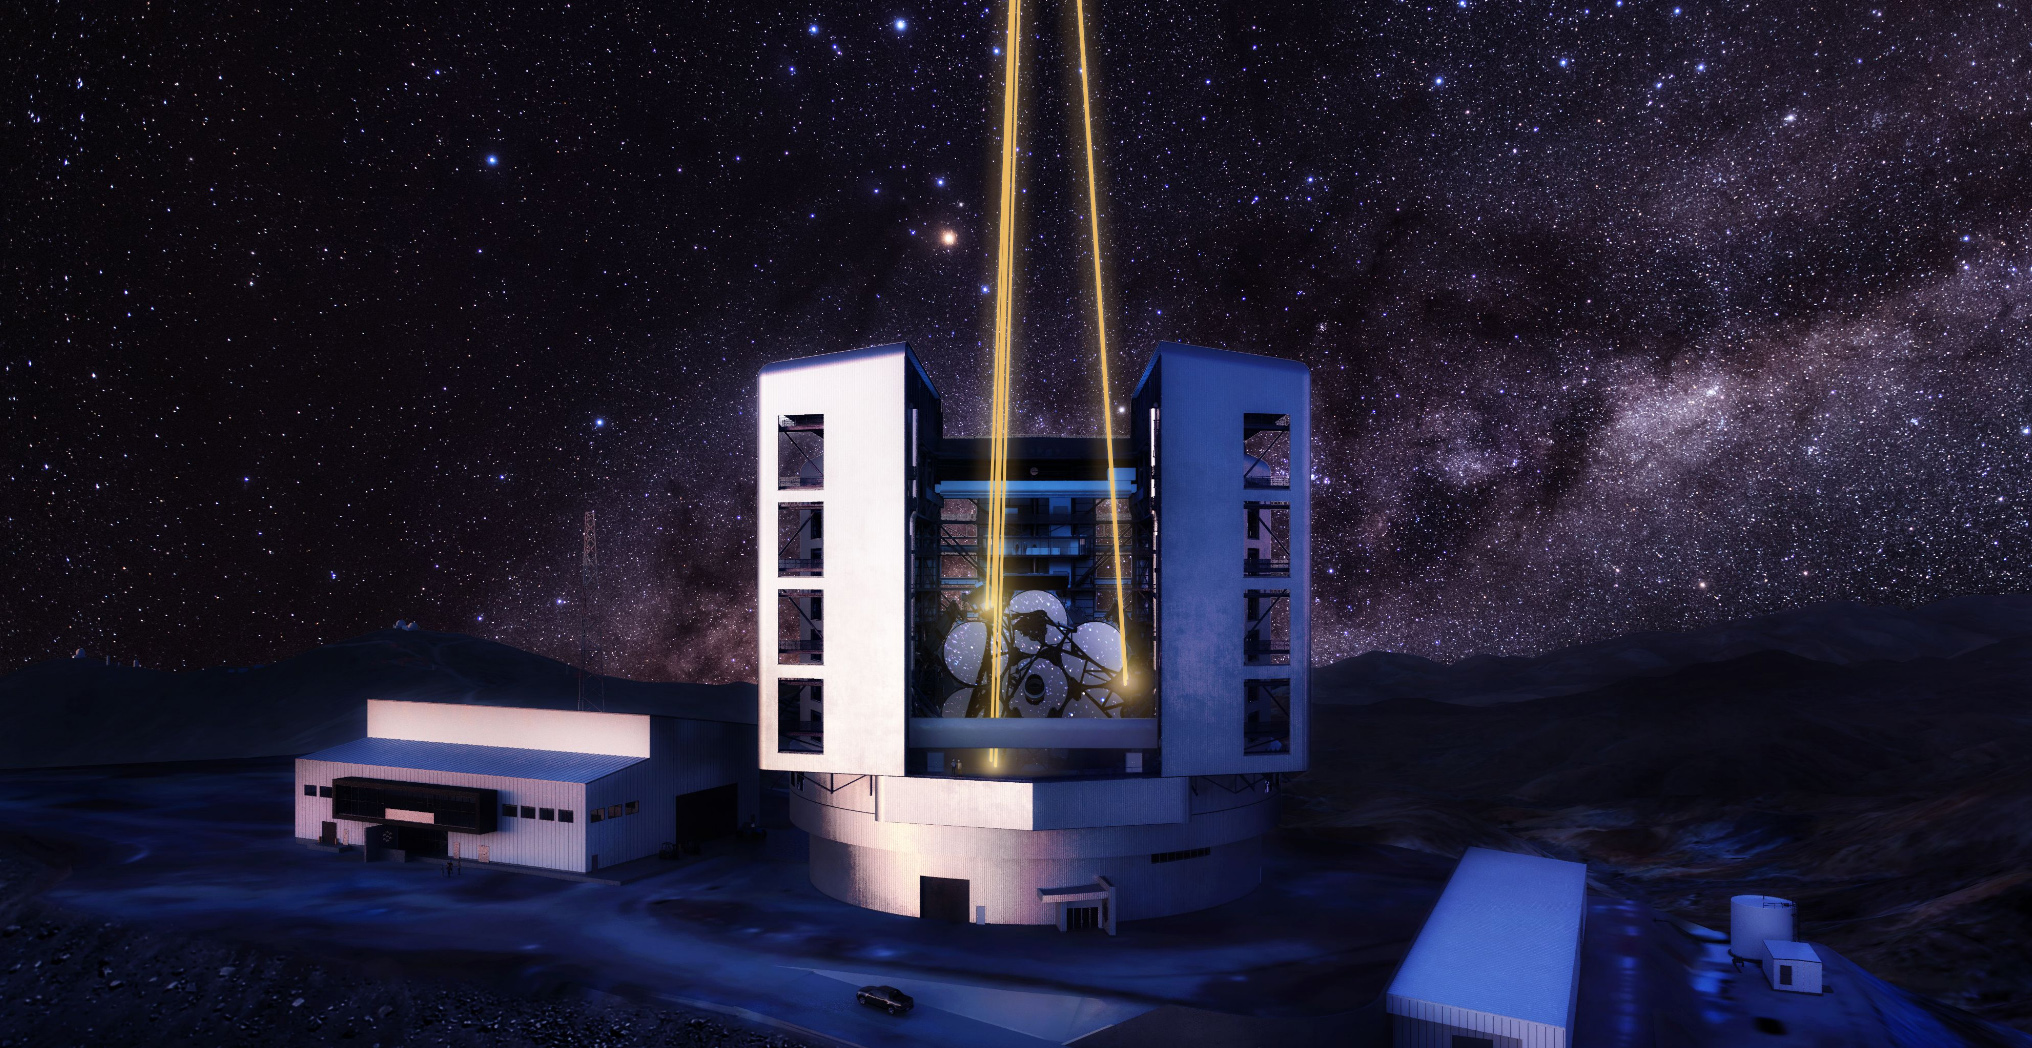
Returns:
<point x="690" y="756"/>
<point x="524" y="842"/>
<point x="859" y="858"/>
<point x="520" y="727"/>
<point x="863" y="396"/>
<point x="1408" y="1032"/>
<point x="1201" y="396"/>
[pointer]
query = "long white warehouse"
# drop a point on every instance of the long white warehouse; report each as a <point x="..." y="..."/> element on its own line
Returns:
<point x="552" y="789"/>
<point x="1497" y="964"/>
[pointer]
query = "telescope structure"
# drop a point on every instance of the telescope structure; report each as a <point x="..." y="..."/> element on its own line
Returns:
<point x="1127" y="760"/>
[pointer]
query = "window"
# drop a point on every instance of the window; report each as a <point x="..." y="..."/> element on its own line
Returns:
<point x="1266" y="716"/>
<point x="564" y="815"/>
<point x="800" y="628"/>
<point x="1266" y="637"/>
<point x="528" y="811"/>
<point x="1174" y="856"/>
<point x="309" y="790"/>
<point x="324" y="791"/>
<point x="508" y="811"/>
<point x="1784" y="975"/>
<point x="463" y="808"/>
<point x="596" y="816"/>
<point x="800" y="716"/>
<point x="1266" y="451"/>
<point x="800" y="451"/>
<point x="1266" y="539"/>
<point x="547" y="814"/>
<point x="613" y="811"/>
<point x="800" y="539"/>
<point x="1461" y="1040"/>
<point x="632" y="808"/>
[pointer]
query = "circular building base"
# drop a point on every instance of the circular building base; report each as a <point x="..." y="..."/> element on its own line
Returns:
<point x="999" y="875"/>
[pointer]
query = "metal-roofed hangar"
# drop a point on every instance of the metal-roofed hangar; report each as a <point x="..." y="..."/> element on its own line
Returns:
<point x="1498" y="961"/>
<point x="554" y="789"/>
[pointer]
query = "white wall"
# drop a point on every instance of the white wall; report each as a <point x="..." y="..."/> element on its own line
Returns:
<point x="1202" y="395"/>
<point x="573" y="731"/>
<point x="1018" y="804"/>
<point x="848" y="815"/>
<point x="862" y="395"/>
<point x="524" y="842"/>
<point x="690" y="756"/>
<point x="1423" y="1024"/>
<point x="887" y="878"/>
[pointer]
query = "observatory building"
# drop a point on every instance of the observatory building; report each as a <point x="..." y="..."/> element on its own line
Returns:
<point x="1127" y="760"/>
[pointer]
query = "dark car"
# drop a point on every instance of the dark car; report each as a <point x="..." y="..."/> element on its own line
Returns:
<point x="888" y="998"/>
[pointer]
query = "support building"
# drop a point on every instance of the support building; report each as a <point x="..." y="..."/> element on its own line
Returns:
<point x="553" y="789"/>
<point x="1128" y="759"/>
<point x="1497" y="964"/>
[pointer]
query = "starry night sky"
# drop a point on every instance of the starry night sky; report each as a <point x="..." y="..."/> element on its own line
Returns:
<point x="1621" y="315"/>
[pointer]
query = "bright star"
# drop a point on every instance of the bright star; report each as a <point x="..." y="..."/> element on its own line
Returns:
<point x="901" y="25"/>
<point x="949" y="238"/>
<point x="599" y="422"/>
<point x="813" y="30"/>
<point x="492" y="160"/>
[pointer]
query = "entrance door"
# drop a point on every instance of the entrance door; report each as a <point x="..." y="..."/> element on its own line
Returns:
<point x="942" y="899"/>
<point x="421" y="842"/>
<point x="1082" y="917"/>
<point x="328" y="833"/>
<point x="708" y="815"/>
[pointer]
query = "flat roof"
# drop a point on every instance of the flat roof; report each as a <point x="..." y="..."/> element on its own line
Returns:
<point x="1787" y="950"/>
<point x="505" y="761"/>
<point x="1503" y="939"/>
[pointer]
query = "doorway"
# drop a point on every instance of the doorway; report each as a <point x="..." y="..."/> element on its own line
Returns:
<point x="707" y="815"/>
<point x="1078" y="918"/>
<point x="943" y="899"/>
<point x="421" y="842"/>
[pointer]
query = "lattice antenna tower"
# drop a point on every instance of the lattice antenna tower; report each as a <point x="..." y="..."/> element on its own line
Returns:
<point x="595" y="697"/>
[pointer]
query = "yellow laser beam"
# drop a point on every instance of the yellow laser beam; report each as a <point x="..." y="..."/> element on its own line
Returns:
<point x="1101" y="331"/>
<point x="1005" y="322"/>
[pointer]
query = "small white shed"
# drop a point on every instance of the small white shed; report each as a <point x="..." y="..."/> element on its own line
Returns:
<point x="1791" y="966"/>
<point x="1497" y="964"/>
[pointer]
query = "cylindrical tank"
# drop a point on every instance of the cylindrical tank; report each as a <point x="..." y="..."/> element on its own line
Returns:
<point x="1755" y="918"/>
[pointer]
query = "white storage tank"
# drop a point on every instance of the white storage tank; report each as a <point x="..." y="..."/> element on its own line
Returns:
<point x="1755" y="918"/>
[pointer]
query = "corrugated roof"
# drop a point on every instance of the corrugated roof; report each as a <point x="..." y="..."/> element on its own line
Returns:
<point x="1503" y="939"/>
<point x="505" y="761"/>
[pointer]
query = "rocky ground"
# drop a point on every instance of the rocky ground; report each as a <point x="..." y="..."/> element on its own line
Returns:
<point x="68" y="979"/>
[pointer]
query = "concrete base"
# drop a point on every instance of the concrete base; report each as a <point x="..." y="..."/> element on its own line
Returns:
<point x="1212" y="856"/>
